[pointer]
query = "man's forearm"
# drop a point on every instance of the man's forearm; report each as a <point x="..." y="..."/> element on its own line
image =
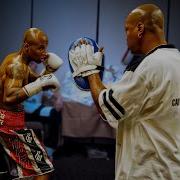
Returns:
<point x="16" y="97"/>
<point x="96" y="87"/>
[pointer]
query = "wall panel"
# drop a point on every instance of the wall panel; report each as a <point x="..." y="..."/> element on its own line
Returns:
<point x="14" y="20"/>
<point x="112" y="33"/>
<point x="174" y="23"/>
<point x="64" y="21"/>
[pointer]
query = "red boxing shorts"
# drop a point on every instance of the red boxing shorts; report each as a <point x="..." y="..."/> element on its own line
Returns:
<point x="26" y="155"/>
<point x="11" y="120"/>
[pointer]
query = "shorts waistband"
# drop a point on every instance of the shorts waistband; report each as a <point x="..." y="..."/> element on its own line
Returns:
<point x="11" y="120"/>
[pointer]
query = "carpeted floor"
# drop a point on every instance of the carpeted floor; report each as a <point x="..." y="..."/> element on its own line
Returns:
<point x="80" y="168"/>
<point x="84" y="162"/>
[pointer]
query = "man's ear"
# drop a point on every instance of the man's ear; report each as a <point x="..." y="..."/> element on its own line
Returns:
<point x="140" y="27"/>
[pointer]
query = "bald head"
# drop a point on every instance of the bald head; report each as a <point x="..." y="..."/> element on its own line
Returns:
<point x="150" y="15"/>
<point x="33" y="35"/>
<point x="34" y="47"/>
<point x="145" y="28"/>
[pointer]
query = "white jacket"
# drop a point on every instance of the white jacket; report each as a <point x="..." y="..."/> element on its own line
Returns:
<point x="146" y="105"/>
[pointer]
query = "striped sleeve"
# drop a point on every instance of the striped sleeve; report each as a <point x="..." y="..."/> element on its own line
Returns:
<point x="122" y="100"/>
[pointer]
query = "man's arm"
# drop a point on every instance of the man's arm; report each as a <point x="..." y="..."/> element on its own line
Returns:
<point x="16" y="92"/>
<point x="13" y="92"/>
<point x="85" y="62"/>
<point x="96" y="87"/>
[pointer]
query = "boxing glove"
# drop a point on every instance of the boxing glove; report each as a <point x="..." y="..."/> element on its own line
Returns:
<point x="52" y="63"/>
<point x="44" y="82"/>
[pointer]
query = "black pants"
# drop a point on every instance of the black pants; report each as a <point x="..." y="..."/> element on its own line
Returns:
<point x="54" y="128"/>
<point x="4" y="165"/>
<point x="51" y="124"/>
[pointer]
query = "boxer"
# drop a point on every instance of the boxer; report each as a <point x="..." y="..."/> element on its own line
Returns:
<point x="25" y="153"/>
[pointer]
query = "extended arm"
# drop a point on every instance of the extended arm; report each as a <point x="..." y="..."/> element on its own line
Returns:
<point x="96" y="87"/>
<point x="87" y="63"/>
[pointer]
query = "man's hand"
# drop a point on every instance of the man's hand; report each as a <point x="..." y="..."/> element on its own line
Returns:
<point x="84" y="60"/>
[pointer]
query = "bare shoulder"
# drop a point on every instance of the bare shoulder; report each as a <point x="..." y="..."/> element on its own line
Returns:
<point x="4" y="64"/>
<point x="15" y="69"/>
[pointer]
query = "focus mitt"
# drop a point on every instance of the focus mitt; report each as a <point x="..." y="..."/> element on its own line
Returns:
<point x="85" y="59"/>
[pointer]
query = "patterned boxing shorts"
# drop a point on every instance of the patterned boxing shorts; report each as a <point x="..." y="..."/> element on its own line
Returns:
<point x="26" y="154"/>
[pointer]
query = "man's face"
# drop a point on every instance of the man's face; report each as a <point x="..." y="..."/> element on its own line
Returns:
<point x="37" y="50"/>
<point x="133" y="41"/>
